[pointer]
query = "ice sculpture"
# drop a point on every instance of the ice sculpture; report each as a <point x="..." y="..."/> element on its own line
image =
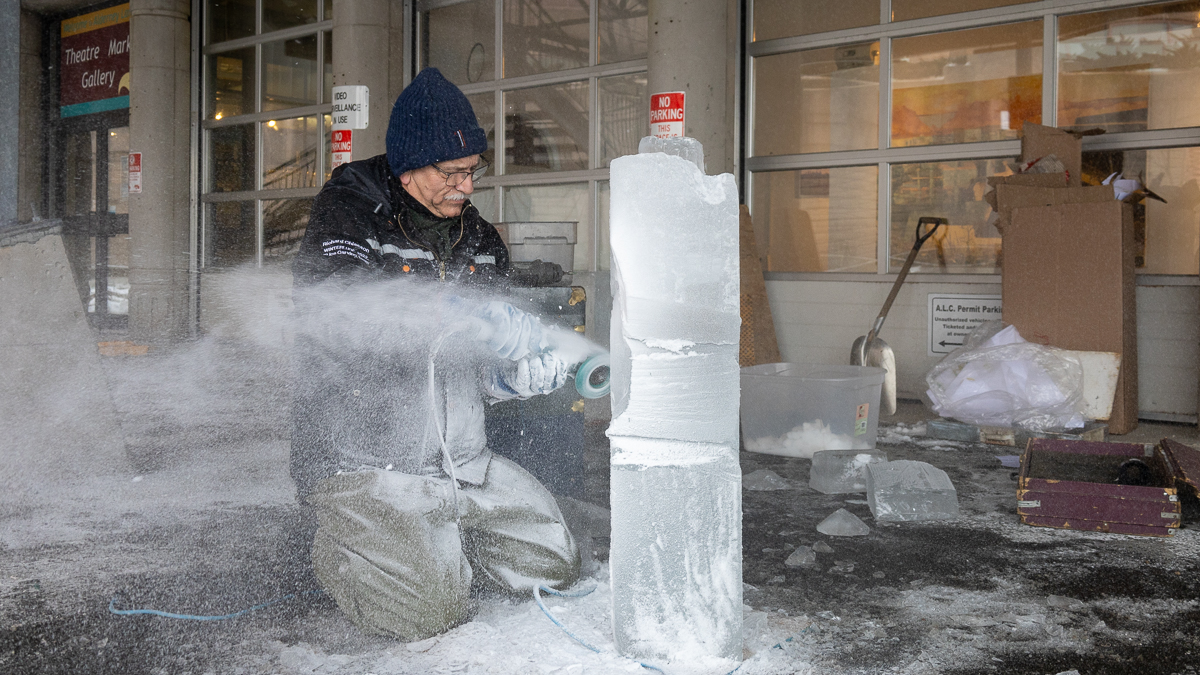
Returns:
<point x="676" y="556"/>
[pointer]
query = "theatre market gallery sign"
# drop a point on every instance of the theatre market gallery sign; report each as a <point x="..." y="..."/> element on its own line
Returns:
<point x="94" y="62"/>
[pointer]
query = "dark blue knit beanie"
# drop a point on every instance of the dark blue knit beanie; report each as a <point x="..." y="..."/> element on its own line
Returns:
<point x="431" y="122"/>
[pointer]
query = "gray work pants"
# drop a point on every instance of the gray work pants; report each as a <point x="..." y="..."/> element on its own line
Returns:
<point x="389" y="551"/>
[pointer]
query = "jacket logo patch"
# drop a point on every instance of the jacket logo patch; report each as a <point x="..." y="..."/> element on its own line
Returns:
<point x="344" y="247"/>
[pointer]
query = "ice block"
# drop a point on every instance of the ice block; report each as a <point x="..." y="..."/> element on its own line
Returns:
<point x="842" y="471"/>
<point x="908" y="490"/>
<point x="676" y="484"/>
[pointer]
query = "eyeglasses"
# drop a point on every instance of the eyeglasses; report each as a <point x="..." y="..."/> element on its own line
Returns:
<point x="456" y="178"/>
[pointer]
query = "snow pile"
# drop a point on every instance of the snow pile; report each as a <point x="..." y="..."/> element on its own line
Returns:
<point x="805" y="439"/>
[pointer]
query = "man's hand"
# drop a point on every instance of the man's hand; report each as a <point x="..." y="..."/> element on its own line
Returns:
<point x="536" y="374"/>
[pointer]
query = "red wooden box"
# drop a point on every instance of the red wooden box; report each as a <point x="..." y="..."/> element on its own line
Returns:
<point x="1124" y="488"/>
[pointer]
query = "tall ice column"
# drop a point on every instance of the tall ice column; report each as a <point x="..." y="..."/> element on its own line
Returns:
<point x="676" y="556"/>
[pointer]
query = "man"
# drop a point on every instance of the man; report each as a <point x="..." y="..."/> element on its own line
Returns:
<point x="388" y="444"/>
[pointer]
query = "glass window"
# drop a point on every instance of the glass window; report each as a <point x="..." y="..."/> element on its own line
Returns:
<point x="817" y="220"/>
<point x="951" y="190"/>
<point x="786" y="18"/>
<point x="231" y="238"/>
<point x="284" y="222"/>
<point x="290" y="153"/>
<point x="289" y="73"/>
<point x="119" y="255"/>
<point x="460" y="41"/>
<point x="118" y="170"/>
<point x="485" y="201"/>
<point x="817" y="101"/>
<point x="903" y="10"/>
<point x="624" y="115"/>
<point x="554" y="203"/>
<point x="230" y="83"/>
<point x="604" y="252"/>
<point x="484" y="106"/>
<point x="229" y="20"/>
<point x="1130" y="69"/>
<point x="327" y="74"/>
<point x="278" y="14"/>
<point x="542" y="36"/>
<point x="546" y="128"/>
<point x="79" y="171"/>
<point x="966" y="86"/>
<point x="1166" y="231"/>
<point x="231" y="158"/>
<point x="621" y="30"/>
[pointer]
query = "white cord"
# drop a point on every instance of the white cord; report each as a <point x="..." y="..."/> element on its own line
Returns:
<point x="433" y="405"/>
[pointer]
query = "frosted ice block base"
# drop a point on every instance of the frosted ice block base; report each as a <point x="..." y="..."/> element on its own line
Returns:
<point x="908" y="490"/>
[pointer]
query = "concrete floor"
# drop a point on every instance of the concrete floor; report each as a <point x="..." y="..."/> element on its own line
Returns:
<point x="178" y="498"/>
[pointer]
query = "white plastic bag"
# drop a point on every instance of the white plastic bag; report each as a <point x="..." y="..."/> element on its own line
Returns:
<point x="997" y="378"/>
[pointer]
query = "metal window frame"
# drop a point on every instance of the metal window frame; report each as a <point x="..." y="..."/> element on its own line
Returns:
<point x="1047" y="11"/>
<point x="202" y="140"/>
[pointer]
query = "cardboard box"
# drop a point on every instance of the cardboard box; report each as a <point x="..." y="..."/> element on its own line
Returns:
<point x="1038" y="141"/>
<point x="1068" y="281"/>
<point x="1124" y="488"/>
<point x="1010" y="194"/>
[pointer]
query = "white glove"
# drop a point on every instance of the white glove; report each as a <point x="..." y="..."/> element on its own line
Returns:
<point x="508" y="331"/>
<point x="536" y="374"/>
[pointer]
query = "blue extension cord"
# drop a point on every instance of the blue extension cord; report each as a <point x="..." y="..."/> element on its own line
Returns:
<point x="112" y="607"/>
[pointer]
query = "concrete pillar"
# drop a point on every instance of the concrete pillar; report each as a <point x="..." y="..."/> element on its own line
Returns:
<point x="361" y="49"/>
<point x="693" y="48"/>
<point x="10" y="105"/>
<point x="159" y="128"/>
<point x="30" y="160"/>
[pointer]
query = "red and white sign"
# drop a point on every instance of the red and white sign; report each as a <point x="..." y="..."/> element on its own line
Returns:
<point x="666" y="114"/>
<point x="135" y="173"/>
<point x="341" y="147"/>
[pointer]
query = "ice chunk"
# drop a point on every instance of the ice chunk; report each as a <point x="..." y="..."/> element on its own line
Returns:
<point x="841" y="471"/>
<point x="908" y="490"/>
<point x="805" y="439"/>
<point x="680" y="146"/>
<point x="800" y="557"/>
<point x="842" y="523"/>
<point x="676" y="484"/>
<point x="765" y="479"/>
<point x="822" y="547"/>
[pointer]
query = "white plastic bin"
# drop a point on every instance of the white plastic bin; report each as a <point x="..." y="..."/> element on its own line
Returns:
<point x="795" y="410"/>
<point x="547" y="241"/>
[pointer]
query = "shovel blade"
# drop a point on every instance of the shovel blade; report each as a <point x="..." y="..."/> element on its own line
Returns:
<point x="878" y="354"/>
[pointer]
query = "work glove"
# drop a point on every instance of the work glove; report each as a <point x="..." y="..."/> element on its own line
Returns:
<point x="508" y="331"/>
<point x="535" y="374"/>
<point x="539" y="273"/>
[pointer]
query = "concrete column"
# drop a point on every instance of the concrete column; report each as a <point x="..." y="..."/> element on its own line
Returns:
<point x="30" y="161"/>
<point x="361" y="50"/>
<point x="159" y="128"/>
<point x="10" y="105"/>
<point x="693" y="49"/>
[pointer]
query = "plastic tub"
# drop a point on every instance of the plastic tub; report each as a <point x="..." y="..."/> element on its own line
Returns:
<point x="795" y="410"/>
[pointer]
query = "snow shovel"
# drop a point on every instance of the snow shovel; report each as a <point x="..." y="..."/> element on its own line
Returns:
<point x="869" y="350"/>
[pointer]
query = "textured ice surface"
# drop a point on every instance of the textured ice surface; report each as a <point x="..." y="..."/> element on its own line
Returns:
<point x="805" y="439"/>
<point x="676" y="485"/>
<point x="801" y="556"/>
<point x="687" y="148"/>
<point x="676" y="549"/>
<point x="841" y="471"/>
<point x="765" y="479"/>
<point x="908" y="490"/>
<point x="842" y="523"/>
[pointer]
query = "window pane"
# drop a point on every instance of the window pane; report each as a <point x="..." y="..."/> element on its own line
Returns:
<point x="624" y="115"/>
<point x="817" y="220"/>
<point x="229" y="20"/>
<point x="289" y="73"/>
<point x="541" y="36"/>
<point x="328" y="9"/>
<point x="555" y="203"/>
<point x="287" y="13"/>
<point x="79" y="174"/>
<point x="326" y="132"/>
<point x="290" y="153"/>
<point x="461" y="41"/>
<point x="951" y="190"/>
<point x="484" y="106"/>
<point x="1167" y="235"/>
<point x="231" y="162"/>
<point x="118" y="170"/>
<point x="903" y="10"/>
<point x="230" y="83"/>
<point x="119" y="255"/>
<point x="622" y="30"/>
<point x="966" y="86"/>
<point x="1130" y="69"/>
<point x="230" y="236"/>
<point x="817" y="101"/>
<point x="604" y="250"/>
<point x="284" y="221"/>
<point x="485" y="201"/>
<point x="785" y="18"/>
<point x="327" y="73"/>
<point x="546" y="128"/>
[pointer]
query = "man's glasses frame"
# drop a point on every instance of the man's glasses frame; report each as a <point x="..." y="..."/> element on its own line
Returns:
<point x="456" y="178"/>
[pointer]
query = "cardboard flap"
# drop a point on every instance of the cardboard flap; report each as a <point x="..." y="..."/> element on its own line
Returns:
<point x="1037" y="141"/>
<point x="1185" y="460"/>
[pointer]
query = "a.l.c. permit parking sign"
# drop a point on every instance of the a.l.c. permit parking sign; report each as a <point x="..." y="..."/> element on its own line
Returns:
<point x="666" y="114"/>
